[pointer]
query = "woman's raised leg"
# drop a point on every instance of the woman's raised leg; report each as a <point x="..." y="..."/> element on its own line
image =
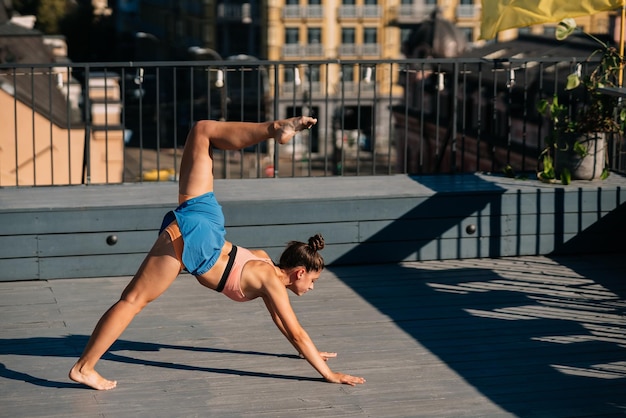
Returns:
<point x="196" y="168"/>
<point x="157" y="272"/>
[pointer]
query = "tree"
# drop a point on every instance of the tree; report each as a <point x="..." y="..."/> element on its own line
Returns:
<point x="49" y="15"/>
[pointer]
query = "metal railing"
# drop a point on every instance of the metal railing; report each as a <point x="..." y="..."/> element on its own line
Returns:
<point x="125" y="122"/>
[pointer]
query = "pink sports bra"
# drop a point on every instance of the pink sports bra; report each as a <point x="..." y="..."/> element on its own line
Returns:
<point x="230" y="284"/>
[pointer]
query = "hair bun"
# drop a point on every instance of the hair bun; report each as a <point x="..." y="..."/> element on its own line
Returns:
<point x="316" y="242"/>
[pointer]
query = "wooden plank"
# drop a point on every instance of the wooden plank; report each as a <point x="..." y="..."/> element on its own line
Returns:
<point x="16" y="246"/>
<point x="63" y="221"/>
<point x="507" y="225"/>
<point x="77" y="244"/>
<point x="89" y="265"/>
<point x="26" y="199"/>
<point x="19" y="269"/>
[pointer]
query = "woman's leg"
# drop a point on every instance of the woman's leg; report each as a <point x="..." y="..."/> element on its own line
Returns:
<point x="157" y="272"/>
<point x="196" y="168"/>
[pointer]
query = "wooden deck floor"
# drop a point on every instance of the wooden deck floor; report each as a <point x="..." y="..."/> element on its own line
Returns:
<point x="526" y="337"/>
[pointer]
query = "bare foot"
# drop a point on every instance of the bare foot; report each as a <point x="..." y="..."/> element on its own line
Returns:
<point x="91" y="379"/>
<point x="285" y="129"/>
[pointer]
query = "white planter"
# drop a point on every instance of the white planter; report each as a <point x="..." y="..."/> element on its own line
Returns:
<point x="589" y="167"/>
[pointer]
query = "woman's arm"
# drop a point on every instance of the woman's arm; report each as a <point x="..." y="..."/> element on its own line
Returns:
<point x="279" y="307"/>
<point x="324" y="354"/>
<point x="279" y="323"/>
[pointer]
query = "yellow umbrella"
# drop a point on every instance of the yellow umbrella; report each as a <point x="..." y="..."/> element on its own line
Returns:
<point x="498" y="15"/>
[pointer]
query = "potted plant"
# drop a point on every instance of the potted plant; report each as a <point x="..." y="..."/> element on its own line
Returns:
<point x="576" y="145"/>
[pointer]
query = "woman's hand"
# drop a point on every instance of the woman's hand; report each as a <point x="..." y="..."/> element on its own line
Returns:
<point x="345" y="379"/>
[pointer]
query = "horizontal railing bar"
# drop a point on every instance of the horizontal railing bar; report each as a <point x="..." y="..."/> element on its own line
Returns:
<point x="187" y="63"/>
<point x="412" y="115"/>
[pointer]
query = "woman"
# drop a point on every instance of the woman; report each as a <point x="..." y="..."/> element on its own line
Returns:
<point x="192" y="237"/>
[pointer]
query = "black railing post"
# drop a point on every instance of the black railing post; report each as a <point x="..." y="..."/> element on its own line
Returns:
<point x="454" y="116"/>
<point x="87" y="118"/>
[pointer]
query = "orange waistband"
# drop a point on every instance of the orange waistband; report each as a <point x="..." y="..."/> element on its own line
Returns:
<point x="177" y="240"/>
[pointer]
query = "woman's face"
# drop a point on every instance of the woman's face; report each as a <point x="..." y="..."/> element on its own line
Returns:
<point x="304" y="281"/>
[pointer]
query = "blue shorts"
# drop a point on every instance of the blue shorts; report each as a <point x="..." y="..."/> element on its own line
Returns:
<point x="201" y="224"/>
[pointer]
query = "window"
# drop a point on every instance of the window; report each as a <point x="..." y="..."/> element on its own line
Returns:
<point x="410" y="2"/>
<point x="313" y="73"/>
<point x="314" y="35"/>
<point x="370" y="2"/>
<point x="292" y="35"/>
<point x="289" y="74"/>
<point x="370" y="36"/>
<point x="469" y="34"/>
<point x="467" y="2"/>
<point x="292" y="2"/>
<point x="347" y="73"/>
<point x="315" y="2"/>
<point x="348" y="36"/>
<point x="348" y="2"/>
<point x="404" y="34"/>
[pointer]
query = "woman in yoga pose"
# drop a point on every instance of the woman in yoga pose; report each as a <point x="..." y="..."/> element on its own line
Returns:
<point x="193" y="237"/>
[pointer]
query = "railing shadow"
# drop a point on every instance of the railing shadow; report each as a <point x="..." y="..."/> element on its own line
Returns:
<point x="532" y="336"/>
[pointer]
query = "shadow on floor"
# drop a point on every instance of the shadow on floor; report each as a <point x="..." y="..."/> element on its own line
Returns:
<point x="546" y="339"/>
<point x="70" y="346"/>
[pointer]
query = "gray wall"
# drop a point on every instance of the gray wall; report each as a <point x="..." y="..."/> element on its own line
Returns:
<point x="61" y="232"/>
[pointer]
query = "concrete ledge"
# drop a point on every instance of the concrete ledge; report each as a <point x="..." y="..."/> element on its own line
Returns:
<point x="54" y="232"/>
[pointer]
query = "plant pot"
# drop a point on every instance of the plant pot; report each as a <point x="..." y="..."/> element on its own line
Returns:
<point x="586" y="167"/>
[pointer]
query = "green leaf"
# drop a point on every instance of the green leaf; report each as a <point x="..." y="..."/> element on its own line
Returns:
<point x="566" y="177"/>
<point x="573" y="81"/>
<point x="548" y="168"/>
<point x="565" y="28"/>
<point x="580" y="149"/>
<point x="605" y="174"/>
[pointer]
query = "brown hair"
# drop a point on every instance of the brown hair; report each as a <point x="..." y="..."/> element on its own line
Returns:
<point x="306" y="255"/>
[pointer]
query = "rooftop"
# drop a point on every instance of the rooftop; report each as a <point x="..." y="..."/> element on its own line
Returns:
<point x="519" y="336"/>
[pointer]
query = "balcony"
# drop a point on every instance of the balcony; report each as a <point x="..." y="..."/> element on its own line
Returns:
<point x="468" y="11"/>
<point x="308" y="51"/>
<point x="370" y="50"/>
<point x="227" y="12"/>
<point x="314" y="51"/>
<point x="348" y="50"/>
<point x="291" y="11"/>
<point x="411" y="13"/>
<point x="359" y="50"/>
<point x="292" y="50"/>
<point x="371" y="11"/>
<point x="347" y="12"/>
